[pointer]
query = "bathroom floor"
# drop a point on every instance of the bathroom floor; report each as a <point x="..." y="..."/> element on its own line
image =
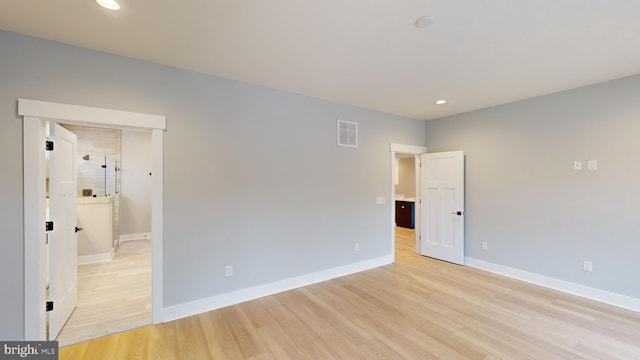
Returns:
<point x="112" y="296"/>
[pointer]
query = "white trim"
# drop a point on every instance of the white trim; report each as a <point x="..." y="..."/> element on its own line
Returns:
<point x="392" y="201"/>
<point x="408" y="149"/>
<point x="157" y="221"/>
<point x="132" y="237"/>
<point x="414" y="150"/>
<point x="219" y="301"/>
<point x="35" y="323"/>
<point x="418" y="204"/>
<point x="89" y="115"/>
<point x="607" y="297"/>
<point x="96" y="258"/>
<point x="35" y="114"/>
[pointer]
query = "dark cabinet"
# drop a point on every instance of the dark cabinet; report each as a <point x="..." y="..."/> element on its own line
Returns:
<point x="405" y="214"/>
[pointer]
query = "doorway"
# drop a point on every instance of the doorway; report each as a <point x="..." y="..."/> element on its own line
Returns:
<point x="35" y="115"/>
<point x="114" y="245"/>
<point x="401" y="150"/>
<point x="441" y="177"/>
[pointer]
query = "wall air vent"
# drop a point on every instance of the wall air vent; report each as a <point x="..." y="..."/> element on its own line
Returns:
<point x="347" y="133"/>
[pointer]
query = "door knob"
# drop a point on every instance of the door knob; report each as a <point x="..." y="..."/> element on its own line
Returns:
<point x="459" y="213"/>
<point x="79" y="229"/>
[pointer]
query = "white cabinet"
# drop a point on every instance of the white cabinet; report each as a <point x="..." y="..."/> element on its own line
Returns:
<point x="95" y="241"/>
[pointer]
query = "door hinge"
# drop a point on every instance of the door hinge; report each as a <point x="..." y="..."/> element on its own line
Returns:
<point x="49" y="145"/>
<point x="49" y="305"/>
<point x="48" y="226"/>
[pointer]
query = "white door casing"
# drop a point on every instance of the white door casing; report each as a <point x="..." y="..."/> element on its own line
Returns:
<point x="35" y="114"/>
<point x="63" y="244"/>
<point x="442" y="188"/>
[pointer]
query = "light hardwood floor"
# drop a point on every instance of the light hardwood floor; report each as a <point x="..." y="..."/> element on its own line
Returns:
<point x="112" y="296"/>
<point x="418" y="308"/>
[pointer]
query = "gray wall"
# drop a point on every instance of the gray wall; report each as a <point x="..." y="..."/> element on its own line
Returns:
<point x="524" y="199"/>
<point x="252" y="176"/>
<point x="406" y="177"/>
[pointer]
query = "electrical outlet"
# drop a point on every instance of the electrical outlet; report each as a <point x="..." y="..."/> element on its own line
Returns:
<point x="228" y="271"/>
<point x="357" y="247"/>
<point x="592" y="165"/>
<point x="485" y="245"/>
<point x="587" y="266"/>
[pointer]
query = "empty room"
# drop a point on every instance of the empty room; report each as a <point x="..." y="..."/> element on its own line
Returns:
<point x="326" y="180"/>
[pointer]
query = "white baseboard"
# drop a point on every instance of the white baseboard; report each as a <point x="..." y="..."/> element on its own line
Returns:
<point x="219" y="301"/>
<point x="623" y="301"/>
<point x="138" y="236"/>
<point x="96" y="258"/>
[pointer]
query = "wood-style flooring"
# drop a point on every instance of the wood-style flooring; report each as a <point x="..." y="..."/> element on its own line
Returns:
<point x="113" y="296"/>
<point x="417" y="308"/>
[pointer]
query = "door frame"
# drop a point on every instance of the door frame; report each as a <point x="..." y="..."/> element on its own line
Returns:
<point x="416" y="151"/>
<point x="35" y="114"/>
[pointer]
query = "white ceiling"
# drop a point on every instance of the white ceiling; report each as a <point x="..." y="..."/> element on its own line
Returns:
<point x="477" y="53"/>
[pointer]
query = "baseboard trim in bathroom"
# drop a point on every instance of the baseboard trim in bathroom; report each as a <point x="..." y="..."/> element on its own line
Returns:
<point x="137" y="236"/>
<point x="97" y="258"/>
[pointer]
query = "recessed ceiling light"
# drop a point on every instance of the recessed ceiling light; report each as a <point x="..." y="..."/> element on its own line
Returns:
<point x="423" y="22"/>
<point x="441" y="102"/>
<point x="109" y="4"/>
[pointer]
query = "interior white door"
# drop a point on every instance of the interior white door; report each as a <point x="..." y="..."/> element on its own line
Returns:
<point x="63" y="245"/>
<point x="442" y="208"/>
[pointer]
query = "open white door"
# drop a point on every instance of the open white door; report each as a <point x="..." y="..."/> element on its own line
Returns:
<point x="63" y="246"/>
<point x="442" y="208"/>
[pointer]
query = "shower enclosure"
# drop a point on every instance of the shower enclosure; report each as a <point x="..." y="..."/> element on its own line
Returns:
<point x="99" y="176"/>
<point x="111" y="176"/>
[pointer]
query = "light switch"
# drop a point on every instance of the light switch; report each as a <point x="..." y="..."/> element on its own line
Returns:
<point x="577" y="165"/>
<point x="380" y="200"/>
<point x="592" y="165"/>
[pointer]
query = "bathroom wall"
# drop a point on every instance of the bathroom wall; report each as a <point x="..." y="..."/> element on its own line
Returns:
<point x="98" y="143"/>
<point x="406" y="177"/>
<point x="135" y="194"/>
